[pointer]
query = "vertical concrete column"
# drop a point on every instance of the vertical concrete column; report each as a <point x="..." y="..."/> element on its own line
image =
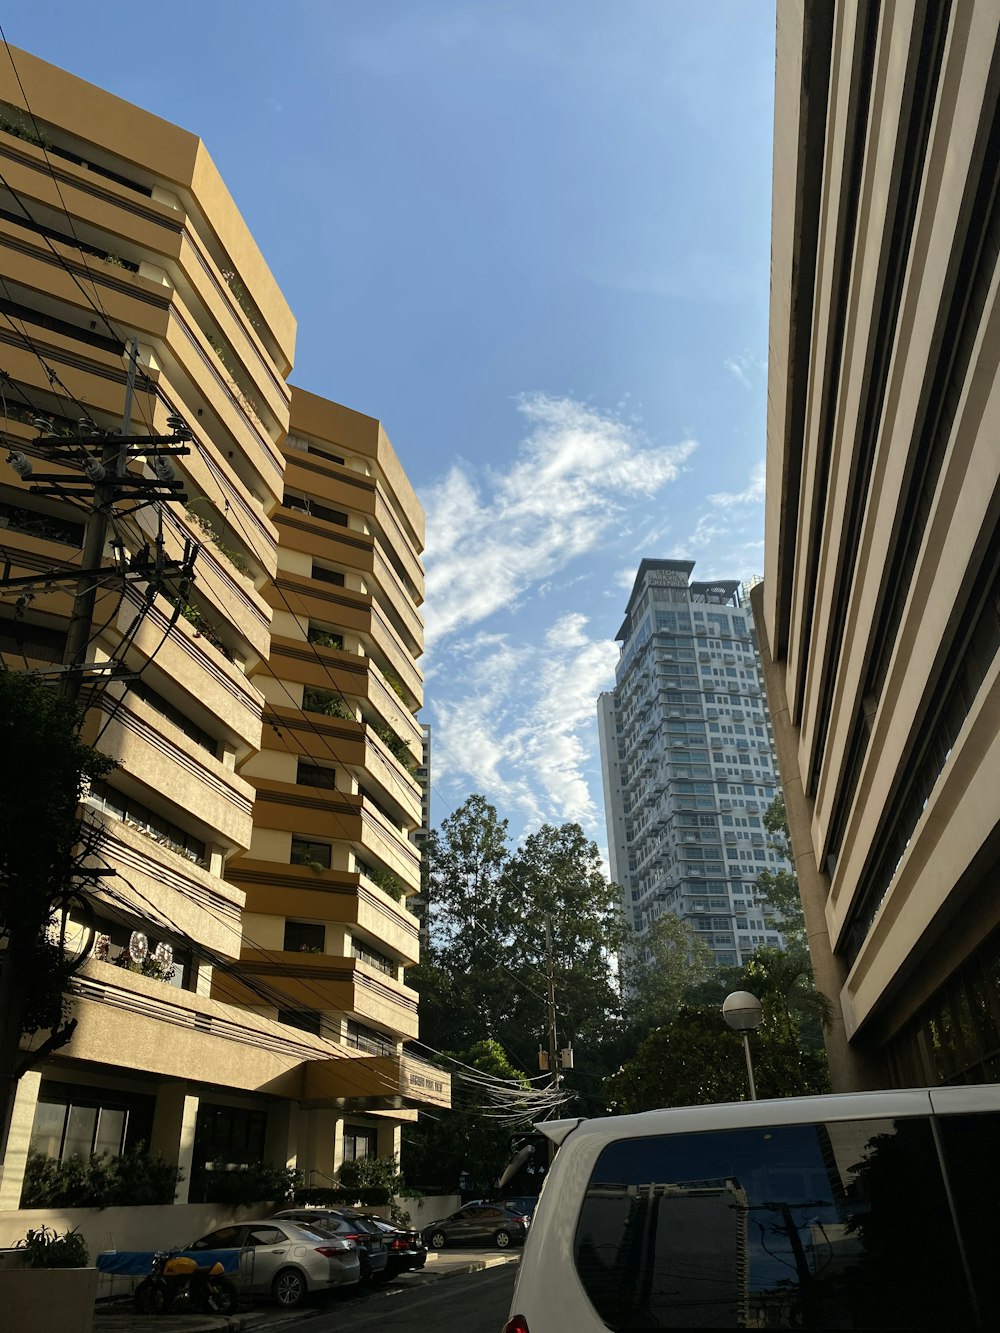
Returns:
<point x="281" y="1138"/>
<point x="390" y="1140"/>
<point x="19" y="1140"/>
<point x="317" y="1147"/>
<point x="175" y="1119"/>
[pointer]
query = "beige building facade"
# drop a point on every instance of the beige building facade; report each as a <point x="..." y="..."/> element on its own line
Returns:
<point x="879" y="615"/>
<point x="226" y="1008"/>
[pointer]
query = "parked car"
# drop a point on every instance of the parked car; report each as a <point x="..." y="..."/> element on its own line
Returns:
<point x="869" y="1210"/>
<point x="405" y="1245"/>
<point x="289" y="1261"/>
<point x="478" y="1224"/>
<point x="525" y="1204"/>
<point x="349" y="1225"/>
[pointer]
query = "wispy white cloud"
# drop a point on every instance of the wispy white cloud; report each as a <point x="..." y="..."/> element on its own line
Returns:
<point x="752" y="494"/>
<point x="726" y="537"/>
<point x="495" y="536"/>
<point x="746" y="368"/>
<point x="519" y="723"/>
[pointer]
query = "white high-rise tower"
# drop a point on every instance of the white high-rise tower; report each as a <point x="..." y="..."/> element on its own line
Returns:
<point x="688" y="761"/>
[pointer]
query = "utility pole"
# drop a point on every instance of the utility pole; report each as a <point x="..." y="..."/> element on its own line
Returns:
<point x="551" y="1006"/>
<point x="95" y="536"/>
<point x="553" y="1060"/>
<point x="99" y="462"/>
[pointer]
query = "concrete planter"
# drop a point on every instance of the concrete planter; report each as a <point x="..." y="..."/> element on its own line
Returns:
<point x="48" y="1300"/>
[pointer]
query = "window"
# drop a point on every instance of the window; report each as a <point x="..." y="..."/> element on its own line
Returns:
<point x="325" y="575"/>
<point x="366" y="954"/>
<point x="369" y="1039"/>
<point x="115" y="803"/>
<point x="359" y="1142"/>
<point x="315" y="775"/>
<point x="306" y="1020"/>
<point x="306" y="853"/>
<point x="304" y="937"/>
<point x="85" y="1120"/>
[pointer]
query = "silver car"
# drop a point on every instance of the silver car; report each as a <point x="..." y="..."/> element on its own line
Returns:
<point x="286" y="1260"/>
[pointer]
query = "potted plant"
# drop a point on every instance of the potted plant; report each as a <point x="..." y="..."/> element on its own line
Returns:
<point x="54" y="1288"/>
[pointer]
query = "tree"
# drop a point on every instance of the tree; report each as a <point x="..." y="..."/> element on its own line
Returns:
<point x="658" y="973"/>
<point x="696" y="1059"/>
<point x="483" y="976"/>
<point x="468" y="1142"/>
<point x="44" y="848"/>
<point x="779" y="889"/>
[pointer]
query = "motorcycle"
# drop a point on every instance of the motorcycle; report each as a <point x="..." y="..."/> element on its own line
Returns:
<point x="177" y="1284"/>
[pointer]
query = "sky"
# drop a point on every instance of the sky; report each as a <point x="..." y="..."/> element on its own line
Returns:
<point x="533" y="238"/>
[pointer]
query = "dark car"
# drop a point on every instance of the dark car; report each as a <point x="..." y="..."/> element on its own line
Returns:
<point x="347" y="1224"/>
<point x="405" y="1245"/>
<point x="524" y="1204"/>
<point x="478" y="1224"/>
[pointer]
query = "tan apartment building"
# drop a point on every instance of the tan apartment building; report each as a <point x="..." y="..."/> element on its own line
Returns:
<point x="879" y="615"/>
<point x="116" y="226"/>
<point x="331" y="862"/>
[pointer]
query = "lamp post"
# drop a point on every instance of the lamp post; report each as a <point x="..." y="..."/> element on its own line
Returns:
<point x="743" y="1012"/>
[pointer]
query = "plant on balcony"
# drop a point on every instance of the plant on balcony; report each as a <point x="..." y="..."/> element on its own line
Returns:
<point x="328" y="705"/>
<point x="386" y="881"/>
<point x="243" y="299"/>
<point x="204" y="526"/>
<point x="45" y="1248"/>
<point x="130" y="1179"/>
<point x="13" y="121"/>
<point x="396" y="746"/>
<point x="324" y="639"/>
<point x="394" y="683"/>
<point x="244" y="399"/>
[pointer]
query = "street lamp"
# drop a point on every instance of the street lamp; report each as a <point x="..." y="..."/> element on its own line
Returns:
<point x="743" y="1012"/>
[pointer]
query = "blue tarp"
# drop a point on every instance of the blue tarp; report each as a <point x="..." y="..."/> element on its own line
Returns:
<point x="137" y="1263"/>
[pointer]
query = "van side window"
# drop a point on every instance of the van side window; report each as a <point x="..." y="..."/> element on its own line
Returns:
<point x="837" y="1225"/>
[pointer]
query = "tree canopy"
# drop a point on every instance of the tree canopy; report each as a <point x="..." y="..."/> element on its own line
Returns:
<point x="779" y="889"/>
<point x="43" y="768"/>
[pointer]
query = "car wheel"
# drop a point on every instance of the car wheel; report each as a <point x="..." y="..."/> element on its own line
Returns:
<point x="289" y="1288"/>
<point x="502" y="1240"/>
<point x="436" y="1240"/>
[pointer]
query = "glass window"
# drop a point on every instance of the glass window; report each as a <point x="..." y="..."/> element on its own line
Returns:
<point x="315" y="775"/>
<point x="80" y="1126"/>
<point x="47" y="1130"/>
<point x="821" y="1226"/>
<point x="306" y="853"/>
<point x="304" y="937"/>
<point x="265" y="1236"/>
<point x="359" y="1142"/>
<point x="110" y="1131"/>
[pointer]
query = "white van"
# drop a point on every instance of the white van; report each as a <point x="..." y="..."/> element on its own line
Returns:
<point x="875" y="1210"/>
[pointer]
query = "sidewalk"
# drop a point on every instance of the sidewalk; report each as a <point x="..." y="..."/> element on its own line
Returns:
<point x="120" y="1317"/>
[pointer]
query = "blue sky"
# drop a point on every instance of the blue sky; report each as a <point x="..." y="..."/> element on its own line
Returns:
<point x="533" y="238"/>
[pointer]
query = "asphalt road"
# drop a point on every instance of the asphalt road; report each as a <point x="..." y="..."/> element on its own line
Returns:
<point x="472" y="1303"/>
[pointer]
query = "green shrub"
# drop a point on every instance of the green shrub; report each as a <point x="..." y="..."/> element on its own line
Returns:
<point x="47" y="1249"/>
<point x="101" y="1181"/>
<point x="259" y="1182"/>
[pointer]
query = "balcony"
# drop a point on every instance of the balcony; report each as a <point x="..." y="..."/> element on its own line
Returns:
<point x="322" y="982"/>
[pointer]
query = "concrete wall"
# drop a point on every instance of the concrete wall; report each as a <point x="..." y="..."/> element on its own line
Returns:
<point x="163" y="1226"/>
